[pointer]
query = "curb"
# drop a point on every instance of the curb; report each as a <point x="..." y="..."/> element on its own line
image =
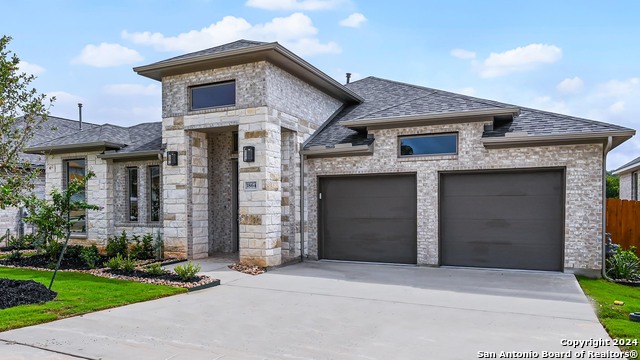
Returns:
<point x="205" y="286"/>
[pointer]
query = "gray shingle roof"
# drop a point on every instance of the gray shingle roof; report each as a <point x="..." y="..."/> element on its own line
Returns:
<point x="240" y="44"/>
<point x="387" y="98"/>
<point x="631" y="165"/>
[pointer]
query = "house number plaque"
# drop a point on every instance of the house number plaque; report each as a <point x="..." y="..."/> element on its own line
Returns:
<point x="251" y="185"/>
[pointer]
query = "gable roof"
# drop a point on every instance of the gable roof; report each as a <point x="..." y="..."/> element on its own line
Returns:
<point x="632" y="165"/>
<point x="236" y="45"/>
<point x="387" y="101"/>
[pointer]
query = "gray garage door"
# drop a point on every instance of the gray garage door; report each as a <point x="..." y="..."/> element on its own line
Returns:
<point x="511" y="220"/>
<point x="368" y="218"/>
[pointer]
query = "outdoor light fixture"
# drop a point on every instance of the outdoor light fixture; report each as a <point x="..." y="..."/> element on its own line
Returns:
<point x="249" y="154"/>
<point x="172" y="158"/>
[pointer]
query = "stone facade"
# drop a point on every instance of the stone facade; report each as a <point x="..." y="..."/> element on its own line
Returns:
<point x="626" y="186"/>
<point x="583" y="203"/>
<point x="10" y="217"/>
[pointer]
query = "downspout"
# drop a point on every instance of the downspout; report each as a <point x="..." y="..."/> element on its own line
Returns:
<point x="301" y="207"/>
<point x="607" y="148"/>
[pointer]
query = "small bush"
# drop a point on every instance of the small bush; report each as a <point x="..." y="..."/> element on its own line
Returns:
<point x="73" y="252"/>
<point x="158" y="246"/>
<point x="128" y="265"/>
<point x="188" y="271"/>
<point x="114" y="263"/>
<point x="118" y="245"/>
<point x="142" y="249"/>
<point x="15" y="255"/>
<point x="20" y="242"/>
<point x="90" y="256"/>
<point x="155" y="269"/>
<point x="53" y="249"/>
<point x="624" y="265"/>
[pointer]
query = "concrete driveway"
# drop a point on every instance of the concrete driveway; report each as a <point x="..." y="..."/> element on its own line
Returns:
<point x="327" y="310"/>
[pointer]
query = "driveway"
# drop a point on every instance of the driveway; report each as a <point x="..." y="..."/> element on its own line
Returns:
<point x="328" y="310"/>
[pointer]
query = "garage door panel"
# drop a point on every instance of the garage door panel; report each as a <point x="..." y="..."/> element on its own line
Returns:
<point x="503" y="219"/>
<point x="496" y="207"/>
<point x="369" y="218"/>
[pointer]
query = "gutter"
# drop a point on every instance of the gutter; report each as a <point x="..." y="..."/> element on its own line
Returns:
<point x="626" y="169"/>
<point x="133" y="154"/>
<point x="345" y="149"/>
<point x="522" y="138"/>
<point x="412" y="119"/>
<point x="70" y="147"/>
<point x="606" y="150"/>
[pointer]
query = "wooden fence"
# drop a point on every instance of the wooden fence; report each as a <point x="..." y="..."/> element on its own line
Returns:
<point x="623" y="222"/>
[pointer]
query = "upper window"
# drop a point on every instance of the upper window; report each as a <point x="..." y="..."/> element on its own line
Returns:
<point x="213" y="95"/>
<point x="436" y="144"/>
<point x="75" y="170"/>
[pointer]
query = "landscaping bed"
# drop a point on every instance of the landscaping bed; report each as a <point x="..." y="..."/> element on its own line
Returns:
<point x="22" y="292"/>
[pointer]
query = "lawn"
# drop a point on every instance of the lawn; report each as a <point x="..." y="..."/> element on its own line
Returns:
<point x="615" y="318"/>
<point x="78" y="293"/>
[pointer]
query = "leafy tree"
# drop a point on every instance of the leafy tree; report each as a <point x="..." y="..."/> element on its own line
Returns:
<point x="613" y="186"/>
<point x="22" y="112"/>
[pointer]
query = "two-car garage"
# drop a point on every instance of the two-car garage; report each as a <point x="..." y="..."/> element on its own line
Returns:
<point x="496" y="219"/>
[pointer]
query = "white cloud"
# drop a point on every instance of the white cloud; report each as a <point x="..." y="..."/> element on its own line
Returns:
<point x="617" y="107"/>
<point x="106" y="55"/>
<point x="295" y="31"/>
<point x="307" y="5"/>
<point x="519" y="59"/>
<point x="132" y="89"/>
<point x="354" y="20"/>
<point x="569" y="86"/>
<point x="548" y="104"/>
<point x="463" y="54"/>
<point x="66" y="104"/>
<point x="30" y="69"/>
<point x="467" y="91"/>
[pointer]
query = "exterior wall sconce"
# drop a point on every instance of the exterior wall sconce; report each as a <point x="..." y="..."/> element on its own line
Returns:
<point x="249" y="154"/>
<point x="172" y="158"/>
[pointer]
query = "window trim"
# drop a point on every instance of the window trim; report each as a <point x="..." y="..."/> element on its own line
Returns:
<point x="400" y="137"/>
<point x="128" y="192"/>
<point x="219" y="83"/>
<point x="65" y="184"/>
<point x="148" y="189"/>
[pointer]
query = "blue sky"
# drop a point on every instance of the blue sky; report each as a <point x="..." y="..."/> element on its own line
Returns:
<point x="579" y="58"/>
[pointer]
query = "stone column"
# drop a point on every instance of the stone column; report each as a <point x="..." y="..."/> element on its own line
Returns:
<point x="259" y="190"/>
<point x="198" y="186"/>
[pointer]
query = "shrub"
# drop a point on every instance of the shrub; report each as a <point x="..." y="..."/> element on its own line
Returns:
<point x="14" y="255"/>
<point x="90" y="256"/>
<point x="128" y="264"/>
<point x="188" y="271"/>
<point x="158" y="246"/>
<point x="115" y="263"/>
<point x="142" y="249"/>
<point x="73" y="252"/>
<point x="19" y="242"/>
<point x="624" y="265"/>
<point x="53" y="249"/>
<point x="118" y="245"/>
<point x="155" y="269"/>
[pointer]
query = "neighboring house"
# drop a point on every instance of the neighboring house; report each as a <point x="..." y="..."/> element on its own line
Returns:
<point x="628" y="174"/>
<point x="10" y="218"/>
<point x="265" y="155"/>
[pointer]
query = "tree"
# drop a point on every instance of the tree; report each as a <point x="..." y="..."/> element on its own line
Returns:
<point x="613" y="186"/>
<point x="22" y="112"/>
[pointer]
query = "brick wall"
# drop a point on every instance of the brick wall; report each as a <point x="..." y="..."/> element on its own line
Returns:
<point x="626" y="186"/>
<point x="583" y="163"/>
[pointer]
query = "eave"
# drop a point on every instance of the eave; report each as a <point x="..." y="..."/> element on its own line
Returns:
<point x="61" y="149"/>
<point x="429" y="119"/>
<point x="272" y="52"/>
<point x="618" y="137"/>
<point x="338" y="150"/>
<point x="134" y="155"/>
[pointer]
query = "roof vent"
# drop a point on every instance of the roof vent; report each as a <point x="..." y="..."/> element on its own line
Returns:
<point x="80" y="116"/>
<point x="348" y="77"/>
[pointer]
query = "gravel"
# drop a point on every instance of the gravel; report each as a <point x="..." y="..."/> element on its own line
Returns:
<point x="22" y="292"/>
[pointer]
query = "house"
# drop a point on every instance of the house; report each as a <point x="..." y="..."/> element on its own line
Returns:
<point x="261" y="153"/>
<point x="628" y="174"/>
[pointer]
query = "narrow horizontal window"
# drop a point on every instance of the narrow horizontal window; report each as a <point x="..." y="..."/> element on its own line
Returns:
<point x="437" y="144"/>
<point x="213" y="95"/>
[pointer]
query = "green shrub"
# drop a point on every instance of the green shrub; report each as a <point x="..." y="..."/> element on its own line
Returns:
<point x="73" y="252"/>
<point x="53" y="249"/>
<point x="90" y="256"/>
<point x="20" y="242"/>
<point x="114" y="263"/>
<point x="624" y="265"/>
<point x="128" y="264"/>
<point x="117" y="245"/>
<point x="142" y="249"/>
<point x="14" y="255"/>
<point x="158" y="246"/>
<point x="188" y="271"/>
<point x="155" y="269"/>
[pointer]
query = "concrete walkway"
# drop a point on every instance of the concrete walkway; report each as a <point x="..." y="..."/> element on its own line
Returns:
<point x="324" y="310"/>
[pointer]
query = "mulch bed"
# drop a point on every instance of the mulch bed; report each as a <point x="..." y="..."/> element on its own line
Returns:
<point x="22" y="292"/>
<point x="42" y="261"/>
<point x="170" y="278"/>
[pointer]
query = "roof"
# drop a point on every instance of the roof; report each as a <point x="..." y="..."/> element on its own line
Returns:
<point x="243" y="52"/>
<point x="141" y="138"/>
<point x="54" y="127"/>
<point x="630" y="166"/>
<point x="387" y="99"/>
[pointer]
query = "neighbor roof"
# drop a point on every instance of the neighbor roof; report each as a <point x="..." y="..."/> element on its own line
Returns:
<point x="630" y="166"/>
<point x="387" y="99"/>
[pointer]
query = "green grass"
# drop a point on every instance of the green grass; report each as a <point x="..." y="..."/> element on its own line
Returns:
<point x="78" y="293"/>
<point x="615" y="318"/>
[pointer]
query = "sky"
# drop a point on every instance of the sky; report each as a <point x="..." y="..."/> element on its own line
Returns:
<point x="580" y="58"/>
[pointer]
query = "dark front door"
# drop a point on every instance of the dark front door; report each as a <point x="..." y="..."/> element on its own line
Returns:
<point x="509" y="220"/>
<point x="368" y="218"/>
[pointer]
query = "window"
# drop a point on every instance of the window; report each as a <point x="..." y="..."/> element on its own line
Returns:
<point x="437" y="144"/>
<point x="154" y="193"/>
<point x="235" y="142"/>
<point x="213" y="95"/>
<point x="132" y="193"/>
<point x="75" y="170"/>
<point x="634" y="185"/>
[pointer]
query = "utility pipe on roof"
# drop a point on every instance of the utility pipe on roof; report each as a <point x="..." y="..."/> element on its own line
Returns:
<point x="607" y="148"/>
